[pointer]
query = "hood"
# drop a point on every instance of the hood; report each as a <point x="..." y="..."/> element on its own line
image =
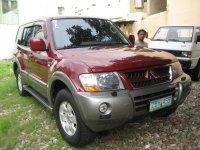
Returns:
<point x="118" y="58"/>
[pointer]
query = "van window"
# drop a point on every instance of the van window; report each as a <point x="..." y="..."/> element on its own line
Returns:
<point x="175" y="33"/>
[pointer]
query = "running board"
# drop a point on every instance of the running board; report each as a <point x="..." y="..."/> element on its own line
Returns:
<point x="38" y="96"/>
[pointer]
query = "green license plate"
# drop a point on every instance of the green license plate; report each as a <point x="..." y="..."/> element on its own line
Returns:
<point x="160" y="103"/>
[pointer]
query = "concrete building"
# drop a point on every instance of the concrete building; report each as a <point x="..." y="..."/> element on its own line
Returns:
<point x="154" y="13"/>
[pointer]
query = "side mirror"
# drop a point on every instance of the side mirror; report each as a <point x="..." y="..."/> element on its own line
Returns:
<point x="198" y="39"/>
<point x="131" y="39"/>
<point x="37" y="44"/>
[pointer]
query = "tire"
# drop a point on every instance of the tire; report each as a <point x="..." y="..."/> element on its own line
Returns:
<point x="69" y="121"/>
<point x="196" y="73"/>
<point x="20" y="85"/>
<point x="163" y="112"/>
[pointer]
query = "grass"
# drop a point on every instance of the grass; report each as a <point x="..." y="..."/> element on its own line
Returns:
<point x="26" y="124"/>
<point x="22" y="119"/>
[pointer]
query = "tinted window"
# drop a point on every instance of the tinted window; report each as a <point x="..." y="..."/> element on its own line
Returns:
<point x="27" y="34"/>
<point x="19" y="35"/>
<point x="72" y="33"/>
<point x="40" y="32"/>
<point x="38" y="29"/>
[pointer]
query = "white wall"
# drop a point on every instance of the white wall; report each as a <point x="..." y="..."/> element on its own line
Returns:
<point x="7" y="40"/>
<point x="33" y="9"/>
<point x="183" y="12"/>
<point x="96" y="8"/>
<point x="28" y="10"/>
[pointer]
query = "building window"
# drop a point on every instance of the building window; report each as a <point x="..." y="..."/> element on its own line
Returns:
<point x="8" y="12"/>
<point x="60" y="10"/>
<point x="139" y="4"/>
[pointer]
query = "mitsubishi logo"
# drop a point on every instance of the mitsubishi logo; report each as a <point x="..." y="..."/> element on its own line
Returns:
<point x="152" y="75"/>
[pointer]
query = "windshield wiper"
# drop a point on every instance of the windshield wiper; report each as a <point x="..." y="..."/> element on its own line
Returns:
<point x="117" y="43"/>
<point x="105" y="44"/>
<point x="158" y="39"/>
<point x="176" y="40"/>
<point x="94" y="44"/>
<point x="68" y="47"/>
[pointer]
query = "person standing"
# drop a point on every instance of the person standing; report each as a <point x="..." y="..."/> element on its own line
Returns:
<point x="140" y="41"/>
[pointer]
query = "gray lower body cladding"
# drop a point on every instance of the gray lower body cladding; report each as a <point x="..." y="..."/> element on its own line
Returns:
<point x="123" y="106"/>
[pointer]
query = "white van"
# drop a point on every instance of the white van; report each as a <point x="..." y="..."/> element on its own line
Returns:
<point x="183" y="42"/>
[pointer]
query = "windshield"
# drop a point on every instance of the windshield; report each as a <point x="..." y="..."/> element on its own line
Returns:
<point x="73" y="33"/>
<point x="178" y="34"/>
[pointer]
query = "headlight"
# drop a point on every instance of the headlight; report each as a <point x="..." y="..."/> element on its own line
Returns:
<point x="176" y="70"/>
<point x="101" y="82"/>
<point x="186" y="54"/>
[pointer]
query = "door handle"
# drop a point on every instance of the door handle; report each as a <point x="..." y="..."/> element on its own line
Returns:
<point x="31" y="55"/>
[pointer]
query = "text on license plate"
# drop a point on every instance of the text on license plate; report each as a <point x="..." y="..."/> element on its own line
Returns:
<point x="159" y="103"/>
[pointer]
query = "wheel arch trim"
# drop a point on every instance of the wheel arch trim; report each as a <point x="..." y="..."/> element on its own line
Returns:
<point x="59" y="76"/>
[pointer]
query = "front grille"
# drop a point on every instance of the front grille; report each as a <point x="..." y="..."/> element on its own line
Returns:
<point x="150" y="82"/>
<point x="134" y="75"/>
<point x="149" y="77"/>
<point x="143" y="102"/>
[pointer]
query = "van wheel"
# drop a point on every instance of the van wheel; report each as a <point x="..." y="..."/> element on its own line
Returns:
<point x="196" y="73"/>
<point x="20" y="85"/>
<point x="69" y="121"/>
<point x="163" y="112"/>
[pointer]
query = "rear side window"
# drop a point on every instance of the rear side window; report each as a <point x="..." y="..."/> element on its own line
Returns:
<point x="19" y="35"/>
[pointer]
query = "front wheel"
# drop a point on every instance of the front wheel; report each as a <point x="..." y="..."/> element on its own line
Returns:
<point x="196" y="73"/>
<point x="69" y="121"/>
<point x="20" y="85"/>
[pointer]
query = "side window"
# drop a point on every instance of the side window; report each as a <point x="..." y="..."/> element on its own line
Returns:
<point x="40" y="32"/>
<point x="27" y="34"/>
<point x="198" y="31"/>
<point x="197" y="35"/>
<point x="19" y="36"/>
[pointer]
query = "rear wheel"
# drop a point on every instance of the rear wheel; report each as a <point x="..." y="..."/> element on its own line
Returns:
<point x="69" y="121"/>
<point x="20" y="87"/>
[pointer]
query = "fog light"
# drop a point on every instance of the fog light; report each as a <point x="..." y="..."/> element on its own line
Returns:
<point x="103" y="107"/>
<point x="175" y="98"/>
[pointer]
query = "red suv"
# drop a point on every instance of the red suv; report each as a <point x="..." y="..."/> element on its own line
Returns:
<point x="88" y="73"/>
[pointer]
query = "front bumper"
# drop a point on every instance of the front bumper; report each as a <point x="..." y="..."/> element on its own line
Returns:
<point x="188" y="63"/>
<point x="123" y="105"/>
